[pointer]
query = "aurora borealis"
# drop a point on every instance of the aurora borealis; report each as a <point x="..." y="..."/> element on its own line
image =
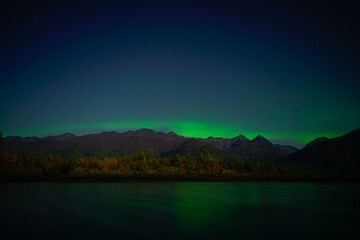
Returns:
<point x="287" y="71"/>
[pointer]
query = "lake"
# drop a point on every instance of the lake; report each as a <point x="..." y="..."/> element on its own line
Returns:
<point x="179" y="210"/>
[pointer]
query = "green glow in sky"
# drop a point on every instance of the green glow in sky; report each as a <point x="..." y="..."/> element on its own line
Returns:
<point x="195" y="128"/>
<point x="244" y="75"/>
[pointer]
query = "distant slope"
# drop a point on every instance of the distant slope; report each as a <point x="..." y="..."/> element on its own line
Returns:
<point x="286" y="148"/>
<point x="226" y="143"/>
<point x="193" y="147"/>
<point x="258" y="149"/>
<point x="156" y="143"/>
<point x="336" y="154"/>
<point x="316" y="141"/>
<point x="105" y="143"/>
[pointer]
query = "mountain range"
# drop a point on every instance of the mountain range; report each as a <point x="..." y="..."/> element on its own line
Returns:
<point x="322" y="153"/>
<point x="156" y="143"/>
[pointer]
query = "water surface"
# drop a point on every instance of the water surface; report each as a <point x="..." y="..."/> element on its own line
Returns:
<point x="179" y="210"/>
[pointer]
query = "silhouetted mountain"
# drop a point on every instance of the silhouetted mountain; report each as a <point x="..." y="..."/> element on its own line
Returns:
<point x="105" y="143"/>
<point x="316" y="141"/>
<point x="287" y="148"/>
<point x="329" y="154"/>
<point x="65" y="137"/>
<point x="193" y="147"/>
<point x="258" y="149"/>
<point x="338" y="154"/>
<point x="156" y="143"/>
<point x="226" y="143"/>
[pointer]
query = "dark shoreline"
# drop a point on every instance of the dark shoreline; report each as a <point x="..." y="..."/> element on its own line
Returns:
<point x="188" y="178"/>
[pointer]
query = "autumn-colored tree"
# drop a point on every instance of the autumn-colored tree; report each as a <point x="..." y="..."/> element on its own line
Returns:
<point x="1" y="141"/>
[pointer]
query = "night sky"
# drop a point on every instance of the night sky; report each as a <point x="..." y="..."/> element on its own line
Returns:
<point x="287" y="70"/>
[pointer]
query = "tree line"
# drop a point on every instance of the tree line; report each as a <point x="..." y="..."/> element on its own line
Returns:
<point x="38" y="164"/>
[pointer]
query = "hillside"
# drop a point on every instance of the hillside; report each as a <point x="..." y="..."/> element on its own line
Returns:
<point x="192" y="148"/>
<point x="287" y="148"/>
<point x="105" y="143"/>
<point x="258" y="149"/>
<point x="336" y="154"/>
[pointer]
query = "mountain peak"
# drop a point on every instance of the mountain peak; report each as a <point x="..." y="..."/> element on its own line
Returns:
<point x="259" y="138"/>
<point x="316" y="141"/>
<point x="145" y="130"/>
<point x="108" y="133"/>
<point x="260" y="141"/>
<point x="241" y="138"/>
<point x="65" y="136"/>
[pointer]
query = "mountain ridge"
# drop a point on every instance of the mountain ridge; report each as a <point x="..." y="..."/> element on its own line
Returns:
<point x="341" y="153"/>
<point x="287" y="148"/>
<point x="156" y="143"/>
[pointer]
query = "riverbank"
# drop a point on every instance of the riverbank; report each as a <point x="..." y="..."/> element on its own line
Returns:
<point x="300" y="177"/>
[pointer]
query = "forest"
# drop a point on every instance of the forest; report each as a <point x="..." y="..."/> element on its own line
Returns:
<point x="38" y="164"/>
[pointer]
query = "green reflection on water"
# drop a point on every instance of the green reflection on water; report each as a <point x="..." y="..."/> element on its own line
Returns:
<point x="200" y="206"/>
<point x="182" y="210"/>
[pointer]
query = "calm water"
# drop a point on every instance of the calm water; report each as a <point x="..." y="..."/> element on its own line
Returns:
<point x="179" y="210"/>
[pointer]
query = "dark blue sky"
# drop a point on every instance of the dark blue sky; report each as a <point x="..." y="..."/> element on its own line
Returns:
<point x="288" y="71"/>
